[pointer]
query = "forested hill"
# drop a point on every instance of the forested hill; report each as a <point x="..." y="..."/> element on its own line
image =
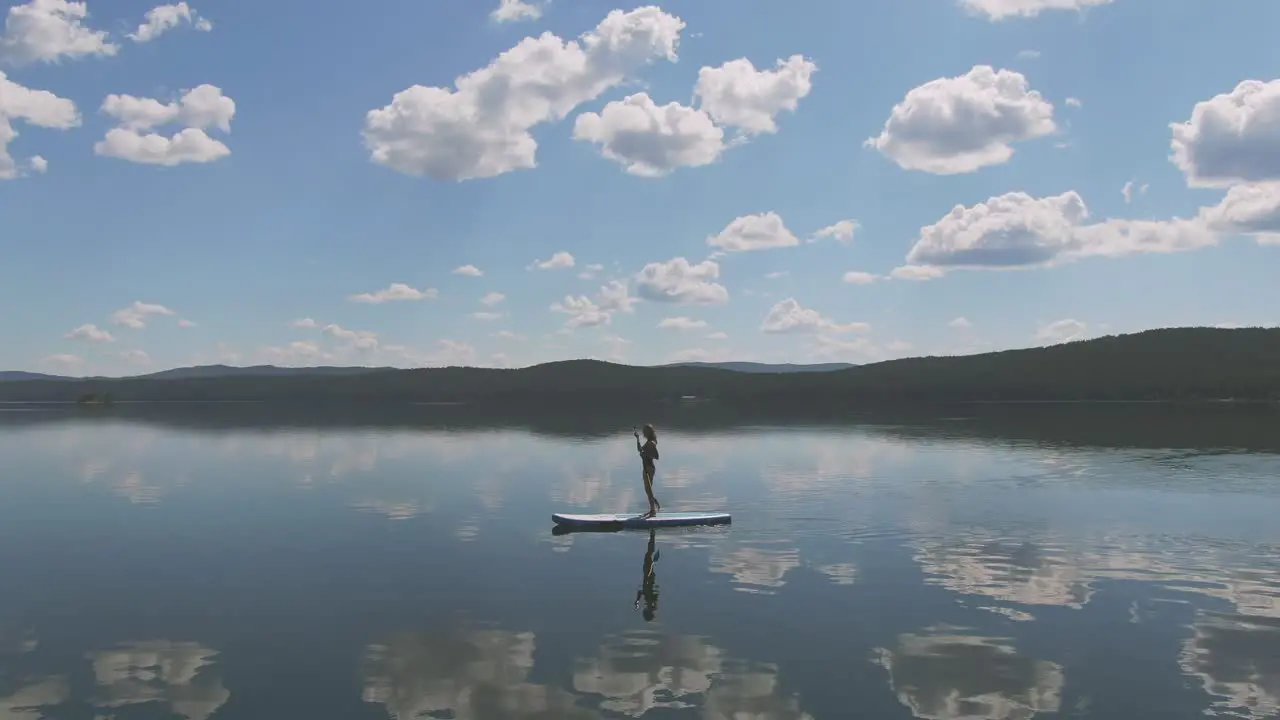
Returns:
<point x="1170" y="364"/>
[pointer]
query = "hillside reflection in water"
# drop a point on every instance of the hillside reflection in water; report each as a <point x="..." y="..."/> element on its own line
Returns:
<point x="212" y="563"/>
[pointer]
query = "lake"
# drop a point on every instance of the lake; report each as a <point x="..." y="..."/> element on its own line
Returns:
<point x="239" y="561"/>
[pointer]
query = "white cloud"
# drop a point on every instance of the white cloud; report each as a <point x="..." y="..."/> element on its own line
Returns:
<point x="1028" y="54"/>
<point x="557" y="261"/>
<point x="1003" y="9"/>
<point x="842" y="231"/>
<point x="582" y="311"/>
<point x="468" y="270"/>
<point x="163" y="18"/>
<point x="789" y="316"/>
<point x="776" y="274"/>
<point x="38" y="164"/>
<point x="1061" y="331"/>
<point x="354" y="339"/>
<point x="515" y="11"/>
<point x="36" y="107"/>
<point x="916" y="272"/>
<point x="588" y="312"/>
<point x="200" y="108"/>
<point x="1073" y="102"/>
<point x="590" y="271"/>
<point x="677" y="281"/>
<point x="682" y="323"/>
<point x="186" y="323"/>
<point x="50" y="30"/>
<point x="856" y="277"/>
<point x="718" y="336"/>
<point x="481" y="129"/>
<point x="508" y="335"/>
<point x="135" y="315"/>
<point x="487" y="316"/>
<point x="62" y="361"/>
<point x="90" y="332"/>
<point x="493" y="298"/>
<point x="1248" y="210"/>
<point x="960" y="323"/>
<point x="961" y="124"/>
<point x="136" y="357"/>
<point x="651" y="140"/>
<point x="1127" y="191"/>
<point x="737" y="95"/>
<point x="395" y="291"/>
<point x="760" y="231"/>
<point x="1017" y="230"/>
<point x="1231" y="138"/>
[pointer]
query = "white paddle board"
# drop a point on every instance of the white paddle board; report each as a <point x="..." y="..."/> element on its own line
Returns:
<point x="637" y="520"/>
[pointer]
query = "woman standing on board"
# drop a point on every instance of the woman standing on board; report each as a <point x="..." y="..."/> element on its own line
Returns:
<point x="648" y="455"/>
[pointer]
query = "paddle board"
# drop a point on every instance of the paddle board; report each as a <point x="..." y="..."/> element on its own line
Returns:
<point x="636" y="520"/>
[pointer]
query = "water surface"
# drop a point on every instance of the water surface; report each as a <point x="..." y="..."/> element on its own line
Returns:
<point x="247" y="562"/>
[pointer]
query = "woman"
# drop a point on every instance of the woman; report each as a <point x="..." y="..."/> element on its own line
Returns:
<point x="648" y="455"/>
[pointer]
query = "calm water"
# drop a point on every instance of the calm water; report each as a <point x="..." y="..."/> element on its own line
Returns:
<point x="238" y="563"/>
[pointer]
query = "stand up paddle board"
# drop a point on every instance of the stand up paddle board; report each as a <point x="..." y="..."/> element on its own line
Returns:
<point x="662" y="519"/>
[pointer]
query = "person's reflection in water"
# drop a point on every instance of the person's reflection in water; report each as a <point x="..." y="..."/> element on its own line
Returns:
<point x="648" y="591"/>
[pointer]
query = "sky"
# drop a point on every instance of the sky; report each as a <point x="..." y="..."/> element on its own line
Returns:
<point x="503" y="183"/>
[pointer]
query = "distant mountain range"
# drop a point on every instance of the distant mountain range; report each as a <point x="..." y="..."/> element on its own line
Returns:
<point x="1167" y="364"/>
<point x="754" y="367"/>
<point x="226" y="371"/>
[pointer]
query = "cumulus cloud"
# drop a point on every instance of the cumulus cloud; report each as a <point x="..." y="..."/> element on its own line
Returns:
<point x="1018" y="230"/>
<point x="50" y="30"/>
<point x="135" y="315"/>
<point x="482" y="128"/>
<point x="960" y="323"/>
<point x="961" y="124"/>
<point x="132" y="139"/>
<point x="682" y="323"/>
<point x="841" y="231"/>
<point x="62" y="362"/>
<point x="394" y="291"/>
<point x="1061" y="331"/>
<point x="557" y="261"/>
<point x="678" y="281"/>
<point x="761" y="231"/>
<point x="1005" y="9"/>
<point x="515" y="11"/>
<point x="487" y="316"/>
<point x="916" y="272"/>
<point x="788" y="316"/>
<point x="163" y="18"/>
<point x="353" y="339"/>
<point x="1231" y="138"/>
<point x="468" y="270"/>
<point x="651" y="140"/>
<point x="90" y="332"/>
<point x="1248" y="210"/>
<point x="737" y="95"/>
<point x="493" y="298"/>
<point x="595" y="312"/>
<point x="36" y="107"/>
<point x="590" y="271"/>
<point x="1128" y="189"/>
<point x="136" y="357"/>
<point x="856" y="277"/>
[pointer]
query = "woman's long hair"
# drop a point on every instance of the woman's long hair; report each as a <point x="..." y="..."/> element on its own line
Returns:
<point x="650" y="433"/>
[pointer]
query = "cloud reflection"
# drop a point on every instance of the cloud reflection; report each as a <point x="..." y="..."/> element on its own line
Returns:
<point x="180" y="675"/>
<point x="1237" y="659"/>
<point x="945" y="674"/>
<point x="462" y="674"/>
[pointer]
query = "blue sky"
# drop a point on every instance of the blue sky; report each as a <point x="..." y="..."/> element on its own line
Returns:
<point x="977" y="149"/>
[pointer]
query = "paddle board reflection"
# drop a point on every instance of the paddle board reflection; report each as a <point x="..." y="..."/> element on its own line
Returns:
<point x="648" y="592"/>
